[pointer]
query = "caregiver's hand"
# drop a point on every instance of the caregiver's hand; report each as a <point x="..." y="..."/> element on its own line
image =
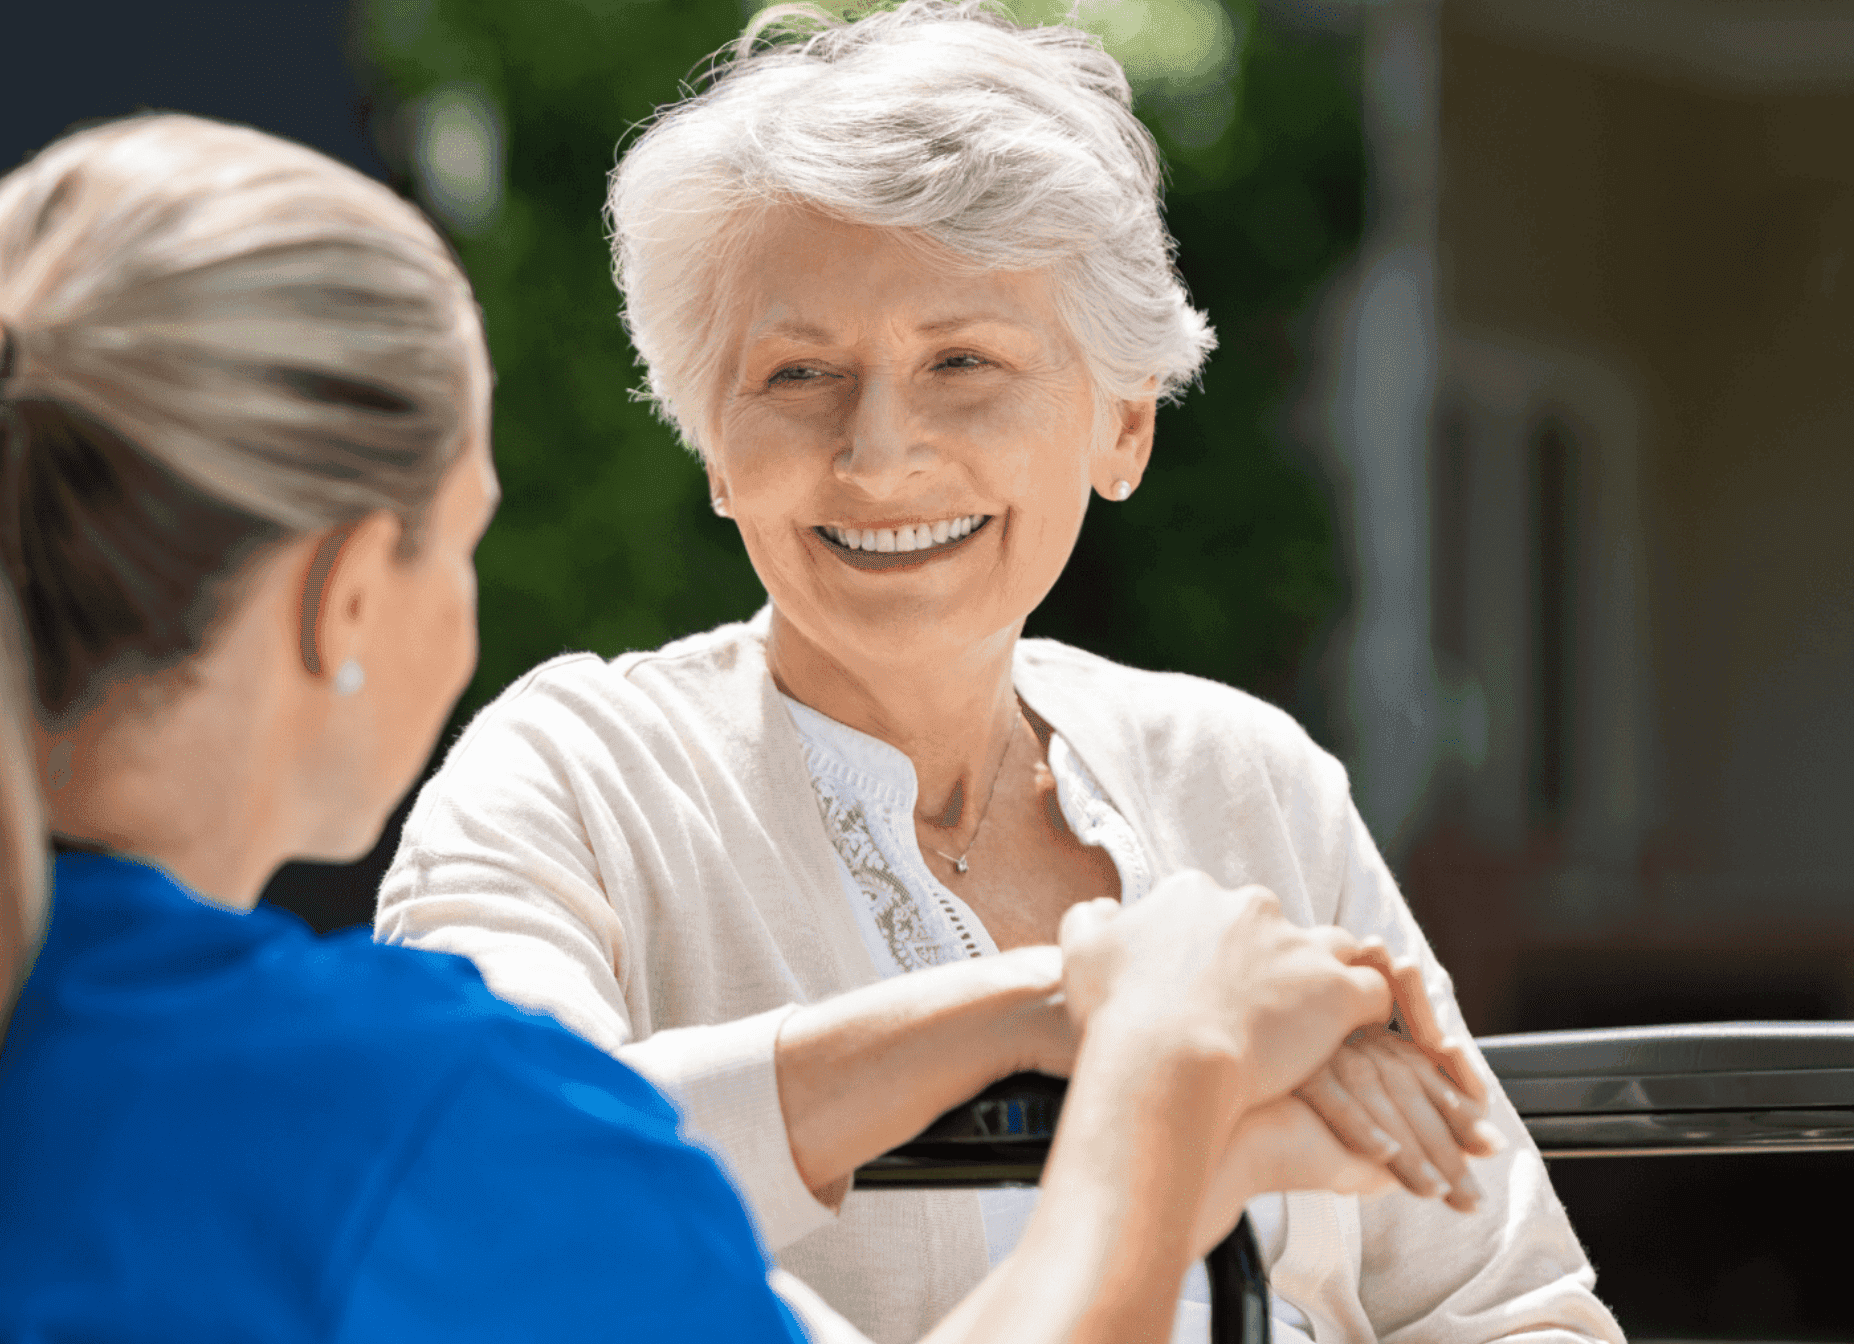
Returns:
<point x="1281" y="1146"/>
<point x="1387" y="1101"/>
<point x="1223" y="971"/>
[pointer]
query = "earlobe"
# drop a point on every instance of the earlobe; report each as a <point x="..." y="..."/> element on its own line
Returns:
<point x="1119" y="469"/>
<point x="717" y="493"/>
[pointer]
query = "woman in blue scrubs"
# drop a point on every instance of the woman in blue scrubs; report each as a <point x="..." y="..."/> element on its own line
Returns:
<point x="244" y="405"/>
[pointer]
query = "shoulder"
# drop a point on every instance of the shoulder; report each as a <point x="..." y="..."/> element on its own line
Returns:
<point x="397" y="1030"/>
<point x="1172" y="720"/>
<point x="612" y="717"/>
<point x="225" y="1072"/>
<point x="634" y="690"/>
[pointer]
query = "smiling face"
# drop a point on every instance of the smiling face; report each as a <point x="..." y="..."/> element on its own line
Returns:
<point x="906" y="446"/>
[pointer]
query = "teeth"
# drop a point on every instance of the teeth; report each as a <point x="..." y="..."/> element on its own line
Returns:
<point x="917" y="538"/>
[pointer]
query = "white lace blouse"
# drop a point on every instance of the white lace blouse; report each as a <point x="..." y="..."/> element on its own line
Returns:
<point x="909" y="920"/>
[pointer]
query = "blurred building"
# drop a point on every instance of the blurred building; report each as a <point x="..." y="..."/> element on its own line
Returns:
<point x="1589" y="394"/>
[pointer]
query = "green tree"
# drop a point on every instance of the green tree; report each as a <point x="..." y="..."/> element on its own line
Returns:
<point x="1223" y="564"/>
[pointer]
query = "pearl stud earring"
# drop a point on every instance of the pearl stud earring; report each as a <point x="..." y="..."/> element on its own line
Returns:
<point x="1121" y="490"/>
<point x="719" y="505"/>
<point x="349" y="678"/>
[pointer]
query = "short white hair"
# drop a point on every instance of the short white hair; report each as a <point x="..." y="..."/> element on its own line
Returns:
<point x="1012" y="148"/>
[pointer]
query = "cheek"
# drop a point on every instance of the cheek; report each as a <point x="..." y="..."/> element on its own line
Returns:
<point x="443" y="624"/>
<point x="766" y="465"/>
<point x="459" y="635"/>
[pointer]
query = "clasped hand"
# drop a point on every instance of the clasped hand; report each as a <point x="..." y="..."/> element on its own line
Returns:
<point x="1331" y="1098"/>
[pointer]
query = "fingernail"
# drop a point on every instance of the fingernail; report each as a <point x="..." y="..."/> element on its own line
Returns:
<point x="1432" y="1179"/>
<point x="1468" y="1186"/>
<point x="1387" y="1146"/>
<point x="1491" y="1138"/>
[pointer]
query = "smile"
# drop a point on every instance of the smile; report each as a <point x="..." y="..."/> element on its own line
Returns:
<point x="888" y="548"/>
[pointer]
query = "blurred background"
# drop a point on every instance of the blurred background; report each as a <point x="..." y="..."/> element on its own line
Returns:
<point x="1521" y="475"/>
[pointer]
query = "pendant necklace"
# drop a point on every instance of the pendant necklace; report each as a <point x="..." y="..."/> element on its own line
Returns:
<point x="959" y="861"/>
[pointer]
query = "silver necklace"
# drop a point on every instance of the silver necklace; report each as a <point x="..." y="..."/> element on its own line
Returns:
<point x="959" y="861"/>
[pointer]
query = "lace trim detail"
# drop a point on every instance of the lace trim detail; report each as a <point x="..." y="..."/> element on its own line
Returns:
<point x="911" y="940"/>
<point x="966" y="940"/>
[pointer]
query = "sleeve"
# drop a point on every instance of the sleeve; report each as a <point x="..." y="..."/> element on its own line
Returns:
<point x="552" y="1199"/>
<point x="497" y="864"/>
<point x="820" y="1320"/>
<point x="1513" y="1269"/>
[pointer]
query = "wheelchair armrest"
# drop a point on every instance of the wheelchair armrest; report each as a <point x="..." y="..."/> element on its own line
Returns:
<point x="1716" y="1087"/>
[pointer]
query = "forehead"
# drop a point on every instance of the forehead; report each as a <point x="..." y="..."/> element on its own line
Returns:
<point x="806" y="277"/>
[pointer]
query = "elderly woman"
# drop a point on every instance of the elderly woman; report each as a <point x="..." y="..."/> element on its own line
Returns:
<point x="903" y="284"/>
<point x="243" y="421"/>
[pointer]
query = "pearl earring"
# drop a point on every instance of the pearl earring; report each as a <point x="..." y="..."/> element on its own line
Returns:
<point x="349" y="678"/>
<point x="1121" y="490"/>
<point x="719" y="505"/>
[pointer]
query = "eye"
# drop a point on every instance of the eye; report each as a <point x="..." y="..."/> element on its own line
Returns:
<point x="962" y="362"/>
<point x="796" y="374"/>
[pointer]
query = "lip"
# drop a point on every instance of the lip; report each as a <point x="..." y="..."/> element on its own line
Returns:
<point x="874" y="560"/>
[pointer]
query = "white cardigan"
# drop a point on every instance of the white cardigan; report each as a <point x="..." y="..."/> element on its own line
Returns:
<point x="634" y="846"/>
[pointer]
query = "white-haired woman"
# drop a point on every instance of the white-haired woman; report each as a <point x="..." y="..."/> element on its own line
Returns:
<point x="902" y="282"/>
<point x="243" y="422"/>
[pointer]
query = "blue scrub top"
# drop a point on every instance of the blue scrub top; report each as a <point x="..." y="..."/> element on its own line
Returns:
<point x="218" y="1126"/>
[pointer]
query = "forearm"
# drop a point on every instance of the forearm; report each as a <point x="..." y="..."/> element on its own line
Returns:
<point x="866" y="1070"/>
<point x="1142" y="1132"/>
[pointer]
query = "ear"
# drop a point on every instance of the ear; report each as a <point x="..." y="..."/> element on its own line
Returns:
<point x="717" y="488"/>
<point x="339" y="589"/>
<point x="1123" y="456"/>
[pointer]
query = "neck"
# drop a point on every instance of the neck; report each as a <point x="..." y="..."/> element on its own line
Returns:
<point x="952" y="715"/>
<point x="193" y="776"/>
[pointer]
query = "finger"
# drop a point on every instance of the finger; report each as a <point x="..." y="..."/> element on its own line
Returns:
<point x="1404" y="1088"/>
<point x="1359" y="1075"/>
<point x="1261" y="897"/>
<point x="1083" y="922"/>
<point x="1418" y="1013"/>
<point x="1374" y="996"/>
<point x="1350" y="1122"/>
<point x="1340" y="942"/>
<point x="1466" y="1120"/>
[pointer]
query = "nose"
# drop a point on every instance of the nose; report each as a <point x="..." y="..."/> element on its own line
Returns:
<point x="888" y="439"/>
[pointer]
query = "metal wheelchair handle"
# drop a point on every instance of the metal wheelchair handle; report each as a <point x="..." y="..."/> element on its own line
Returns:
<point x="1001" y="1138"/>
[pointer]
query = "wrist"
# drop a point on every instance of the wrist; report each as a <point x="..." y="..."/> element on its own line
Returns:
<point x="1027" y="1028"/>
<point x="1204" y="1061"/>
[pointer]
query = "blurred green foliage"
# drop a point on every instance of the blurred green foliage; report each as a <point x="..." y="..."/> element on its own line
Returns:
<point x="1223" y="564"/>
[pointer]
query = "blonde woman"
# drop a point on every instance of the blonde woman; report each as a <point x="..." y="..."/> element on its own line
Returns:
<point x="22" y="840"/>
<point x="245" y="467"/>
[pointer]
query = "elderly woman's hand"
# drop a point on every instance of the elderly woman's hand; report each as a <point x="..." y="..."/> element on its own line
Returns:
<point x="1389" y="1102"/>
<point x="1196" y="967"/>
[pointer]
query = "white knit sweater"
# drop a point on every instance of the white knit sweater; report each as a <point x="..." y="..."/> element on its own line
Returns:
<point x="634" y="846"/>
